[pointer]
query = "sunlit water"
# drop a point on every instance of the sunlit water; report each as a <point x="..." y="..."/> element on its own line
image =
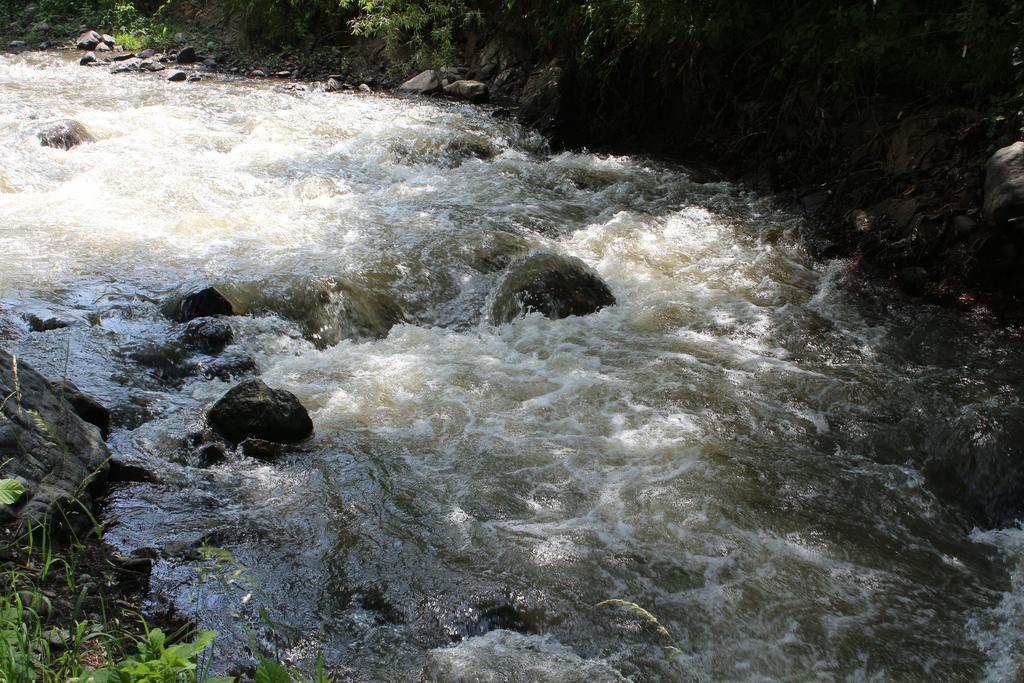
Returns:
<point x="731" y="447"/>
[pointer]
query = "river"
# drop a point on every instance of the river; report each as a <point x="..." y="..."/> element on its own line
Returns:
<point x="732" y="446"/>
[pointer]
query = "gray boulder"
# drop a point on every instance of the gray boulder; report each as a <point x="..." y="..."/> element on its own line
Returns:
<point x="53" y="452"/>
<point x="89" y="40"/>
<point x="474" y="91"/>
<point x="252" y="410"/>
<point x="554" y="285"/>
<point x="1004" y="185"/>
<point x="425" y="83"/>
<point x="62" y="134"/>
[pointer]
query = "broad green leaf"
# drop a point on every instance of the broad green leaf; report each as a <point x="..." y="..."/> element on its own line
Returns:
<point x="10" y="491"/>
<point x="272" y="672"/>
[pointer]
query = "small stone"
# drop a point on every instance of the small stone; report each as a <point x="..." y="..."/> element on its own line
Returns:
<point x="333" y="85"/>
<point x="194" y="78"/>
<point x="151" y="66"/>
<point x="17" y="44"/>
<point x="87" y="59"/>
<point x="257" y="73"/>
<point x="282" y="74"/>
<point x="211" y="454"/>
<point x="209" y="335"/>
<point x="40" y="27"/>
<point x="177" y="76"/>
<point x="102" y="47"/>
<point x="123" y="58"/>
<point x="58" y="637"/>
<point x="108" y="39"/>
<point x="147" y="53"/>
<point x="364" y="88"/>
<point x="187" y="55"/>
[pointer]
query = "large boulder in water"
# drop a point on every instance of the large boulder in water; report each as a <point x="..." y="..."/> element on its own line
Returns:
<point x="254" y="410"/>
<point x="63" y="134"/>
<point x="1004" y="185"/>
<point x="554" y="285"/>
<point x="980" y="465"/>
<point x="48" y="447"/>
<point x="424" y="84"/>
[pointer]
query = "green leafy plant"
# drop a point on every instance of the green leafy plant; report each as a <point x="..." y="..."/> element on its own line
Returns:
<point x="159" y="662"/>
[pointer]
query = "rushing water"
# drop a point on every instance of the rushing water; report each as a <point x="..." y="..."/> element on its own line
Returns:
<point x="731" y="446"/>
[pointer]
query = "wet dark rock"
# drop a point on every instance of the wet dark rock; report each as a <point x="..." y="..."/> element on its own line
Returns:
<point x="210" y="454"/>
<point x="177" y="76"/>
<point x="150" y="65"/>
<point x="63" y="134"/>
<point x="554" y="285"/>
<point x="425" y="83"/>
<point x="540" y="104"/>
<point x="88" y="40"/>
<point x="227" y="366"/>
<point x="261" y="449"/>
<point x="45" y="321"/>
<point x="1004" y="185"/>
<point x="84" y="405"/>
<point x="186" y="55"/>
<point x="914" y="280"/>
<point x="473" y="91"/>
<point x="123" y="58"/>
<point x="208" y="335"/>
<point x="199" y="304"/>
<point x="980" y="465"/>
<point x="53" y="469"/>
<point x="254" y="410"/>
<point x="17" y="44"/>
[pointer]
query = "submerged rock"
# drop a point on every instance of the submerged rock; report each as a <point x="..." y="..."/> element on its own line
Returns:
<point x="554" y="285"/>
<point x="980" y="465"/>
<point x="177" y="76"/>
<point x="51" y="450"/>
<point x="1004" y="185"/>
<point x="254" y="410"/>
<point x="209" y="335"/>
<point x="424" y="84"/>
<point x="474" y="91"/>
<point x="509" y="656"/>
<point x="199" y="304"/>
<point x="63" y="134"/>
<point x="914" y="280"/>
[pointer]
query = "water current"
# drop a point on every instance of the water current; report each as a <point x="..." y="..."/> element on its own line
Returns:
<point x="733" y="446"/>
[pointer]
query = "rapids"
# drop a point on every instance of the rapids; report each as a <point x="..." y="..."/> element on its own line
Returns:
<point x="732" y="446"/>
